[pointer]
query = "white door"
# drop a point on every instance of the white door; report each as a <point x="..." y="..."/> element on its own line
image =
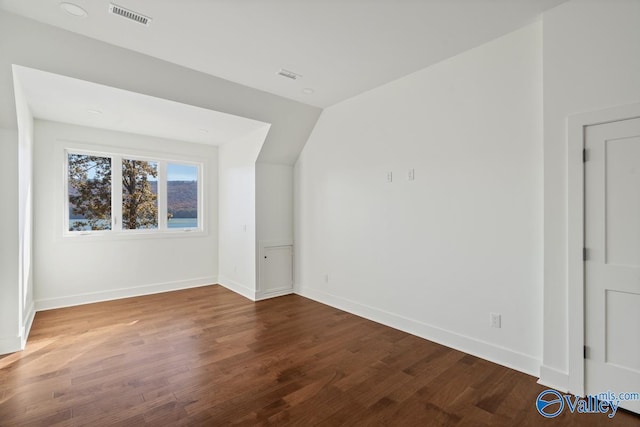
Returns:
<point x="276" y="270"/>
<point x="612" y="266"/>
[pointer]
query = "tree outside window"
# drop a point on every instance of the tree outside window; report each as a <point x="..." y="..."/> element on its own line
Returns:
<point x="139" y="196"/>
<point x="89" y="192"/>
<point x="92" y="207"/>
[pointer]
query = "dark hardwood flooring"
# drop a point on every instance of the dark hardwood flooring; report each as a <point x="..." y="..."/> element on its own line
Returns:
<point x="207" y="356"/>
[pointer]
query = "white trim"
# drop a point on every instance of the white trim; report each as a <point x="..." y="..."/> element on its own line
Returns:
<point x="117" y="154"/>
<point x="238" y="288"/>
<point x="26" y="328"/>
<point x="88" y="298"/>
<point x="575" y="231"/>
<point x="273" y="293"/>
<point x="274" y="243"/>
<point x="485" y="350"/>
<point x="552" y="378"/>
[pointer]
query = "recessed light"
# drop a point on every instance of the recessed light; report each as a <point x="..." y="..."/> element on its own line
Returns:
<point x="74" y="10"/>
<point x="308" y="90"/>
<point x="92" y="111"/>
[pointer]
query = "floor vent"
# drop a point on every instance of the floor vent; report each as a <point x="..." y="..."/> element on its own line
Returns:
<point x="129" y="14"/>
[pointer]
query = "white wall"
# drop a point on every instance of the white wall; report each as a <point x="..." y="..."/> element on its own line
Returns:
<point x="436" y="255"/>
<point x="25" y="210"/>
<point x="591" y="62"/>
<point x="9" y="284"/>
<point x="16" y="278"/>
<point x="78" y="270"/>
<point x="274" y="212"/>
<point x="274" y="202"/>
<point x="237" y="222"/>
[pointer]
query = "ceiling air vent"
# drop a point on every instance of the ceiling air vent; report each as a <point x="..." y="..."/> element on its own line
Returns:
<point x="129" y="14"/>
<point x="289" y="74"/>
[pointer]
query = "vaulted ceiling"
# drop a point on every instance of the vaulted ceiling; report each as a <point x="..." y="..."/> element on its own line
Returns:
<point x="340" y="48"/>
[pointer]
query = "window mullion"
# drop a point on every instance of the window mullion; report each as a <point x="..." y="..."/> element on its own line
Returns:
<point x="201" y="207"/>
<point x="116" y="192"/>
<point x="162" y="195"/>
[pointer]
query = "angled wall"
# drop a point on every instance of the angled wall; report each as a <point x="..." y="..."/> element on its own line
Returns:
<point x="29" y="43"/>
<point x="237" y="217"/>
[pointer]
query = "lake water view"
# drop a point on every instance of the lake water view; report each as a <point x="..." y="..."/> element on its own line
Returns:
<point x="182" y="223"/>
<point x="172" y="223"/>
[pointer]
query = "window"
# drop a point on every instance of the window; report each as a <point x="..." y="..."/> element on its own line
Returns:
<point x="182" y="196"/>
<point x="112" y="193"/>
<point x="139" y="196"/>
<point x="89" y="188"/>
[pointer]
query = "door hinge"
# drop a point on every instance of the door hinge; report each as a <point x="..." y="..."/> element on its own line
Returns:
<point x="584" y="352"/>
<point x="584" y="155"/>
<point x="584" y="254"/>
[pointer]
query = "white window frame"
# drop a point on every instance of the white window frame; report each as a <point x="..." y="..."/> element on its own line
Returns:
<point x="117" y="155"/>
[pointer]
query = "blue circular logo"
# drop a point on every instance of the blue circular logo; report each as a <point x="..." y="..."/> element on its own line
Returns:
<point x="547" y="401"/>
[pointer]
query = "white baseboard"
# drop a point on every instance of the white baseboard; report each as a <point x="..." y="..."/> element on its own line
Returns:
<point x="500" y="355"/>
<point x="136" y="291"/>
<point x="238" y="288"/>
<point x="553" y="378"/>
<point x="273" y="294"/>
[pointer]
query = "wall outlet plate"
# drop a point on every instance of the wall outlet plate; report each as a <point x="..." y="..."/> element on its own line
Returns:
<point x="495" y="320"/>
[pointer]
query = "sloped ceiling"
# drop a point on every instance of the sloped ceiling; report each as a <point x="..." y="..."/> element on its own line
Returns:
<point x="223" y="55"/>
<point x="340" y="47"/>
<point x="27" y="43"/>
<point x="67" y="100"/>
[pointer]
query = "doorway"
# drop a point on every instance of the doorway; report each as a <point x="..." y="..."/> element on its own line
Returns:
<point x="612" y="259"/>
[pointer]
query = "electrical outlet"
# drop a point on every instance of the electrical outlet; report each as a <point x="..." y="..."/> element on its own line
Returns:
<point x="411" y="175"/>
<point x="495" y="320"/>
<point x="389" y="176"/>
<point x="326" y="278"/>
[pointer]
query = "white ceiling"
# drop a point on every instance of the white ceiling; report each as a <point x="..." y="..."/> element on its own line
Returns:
<point x="68" y="100"/>
<point x="340" y="47"/>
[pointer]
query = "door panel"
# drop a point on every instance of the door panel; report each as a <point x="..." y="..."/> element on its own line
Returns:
<point x="621" y="311"/>
<point x="622" y="175"/>
<point x="276" y="270"/>
<point x="612" y="267"/>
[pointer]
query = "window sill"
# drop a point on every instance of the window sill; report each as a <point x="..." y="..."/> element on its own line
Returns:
<point x="134" y="234"/>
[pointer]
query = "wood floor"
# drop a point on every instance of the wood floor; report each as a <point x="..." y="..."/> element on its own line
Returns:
<point x="207" y="356"/>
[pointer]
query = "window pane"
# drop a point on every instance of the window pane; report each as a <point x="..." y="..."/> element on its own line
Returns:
<point x="89" y="192"/>
<point x="139" y="194"/>
<point x="182" y="196"/>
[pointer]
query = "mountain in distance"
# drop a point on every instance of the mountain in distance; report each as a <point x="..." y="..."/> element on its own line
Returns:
<point x="182" y="199"/>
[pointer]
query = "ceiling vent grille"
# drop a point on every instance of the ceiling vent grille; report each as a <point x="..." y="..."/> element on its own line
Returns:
<point x="129" y="14"/>
<point x="289" y="74"/>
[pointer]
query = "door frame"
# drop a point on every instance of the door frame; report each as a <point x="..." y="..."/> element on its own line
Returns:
<point x="576" y="125"/>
